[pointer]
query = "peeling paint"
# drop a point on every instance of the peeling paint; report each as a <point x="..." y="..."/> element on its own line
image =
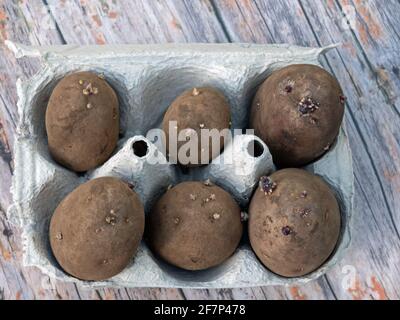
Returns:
<point x="97" y="20"/>
<point x="230" y="4"/>
<point x="345" y="3"/>
<point x="5" y="253"/>
<point x="373" y="26"/>
<point x="247" y="4"/>
<point x="357" y="292"/>
<point x="373" y="289"/>
<point x="296" y="294"/>
<point x="100" y="38"/>
<point x="349" y="46"/>
<point x="3" y="139"/>
<point x="113" y="15"/>
<point x="3" y="15"/>
<point x="3" y="23"/>
<point x="369" y="28"/>
<point x="377" y="288"/>
<point x="108" y="296"/>
<point x="390" y="174"/>
<point x="362" y="31"/>
<point x="175" y="24"/>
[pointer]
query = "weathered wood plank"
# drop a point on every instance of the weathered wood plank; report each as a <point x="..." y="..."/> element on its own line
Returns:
<point x="369" y="123"/>
<point x="377" y="34"/>
<point x="15" y="278"/>
<point x="374" y="121"/>
<point x="99" y="22"/>
<point x="315" y="290"/>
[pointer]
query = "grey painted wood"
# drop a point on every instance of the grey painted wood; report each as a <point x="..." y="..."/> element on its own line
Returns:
<point x="371" y="120"/>
<point x="366" y="64"/>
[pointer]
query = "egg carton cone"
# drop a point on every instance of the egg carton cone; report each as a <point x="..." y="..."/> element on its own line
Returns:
<point x="239" y="168"/>
<point x="147" y="78"/>
<point x="143" y="167"/>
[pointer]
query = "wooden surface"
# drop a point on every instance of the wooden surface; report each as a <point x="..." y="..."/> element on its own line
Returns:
<point x="367" y="65"/>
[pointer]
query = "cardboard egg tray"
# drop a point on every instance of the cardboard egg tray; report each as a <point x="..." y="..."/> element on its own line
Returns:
<point x="147" y="78"/>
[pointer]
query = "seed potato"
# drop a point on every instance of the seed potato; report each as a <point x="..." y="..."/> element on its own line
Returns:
<point x="96" y="230"/>
<point x="196" y="109"/>
<point x="298" y="111"/>
<point x="82" y="121"/>
<point x="294" y="222"/>
<point x="194" y="226"/>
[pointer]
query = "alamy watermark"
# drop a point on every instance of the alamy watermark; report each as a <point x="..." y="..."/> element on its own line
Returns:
<point x="196" y="147"/>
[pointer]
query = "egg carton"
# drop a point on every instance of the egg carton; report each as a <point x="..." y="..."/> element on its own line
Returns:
<point x="147" y="78"/>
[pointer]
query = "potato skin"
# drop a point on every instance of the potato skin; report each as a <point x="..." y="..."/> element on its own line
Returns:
<point x="191" y="232"/>
<point x="294" y="134"/>
<point x="198" y="108"/>
<point x="96" y="230"/>
<point x="294" y="229"/>
<point x="82" y="126"/>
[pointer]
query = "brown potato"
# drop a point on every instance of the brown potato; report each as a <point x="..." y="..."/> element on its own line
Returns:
<point x="82" y="121"/>
<point x="297" y="111"/>
<point x="196" y="109"/>
<point x="194" y="226"/>
<point x="294" y="222"/>
<point x="96" y="230"/>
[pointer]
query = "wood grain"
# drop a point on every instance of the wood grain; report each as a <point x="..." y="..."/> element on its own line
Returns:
<point x="366" y="64"/>
<point x="371" y="119"/>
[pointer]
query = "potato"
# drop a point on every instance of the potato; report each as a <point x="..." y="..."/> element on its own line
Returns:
<point x="194" y="226"/>
<point x="294" y="222"/>
<point x="196" y="109"/>
<point x="96" y="230"/>
<point x="297" y="111"/>
<point x="82" y="121"/>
